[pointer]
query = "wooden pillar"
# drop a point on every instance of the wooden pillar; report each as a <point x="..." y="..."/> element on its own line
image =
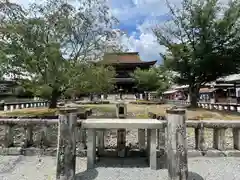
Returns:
<point x="66" y="148"/>
<point x="176" y="145"/>
<point x="219" y="139"/>
<point x="236" y="138"/>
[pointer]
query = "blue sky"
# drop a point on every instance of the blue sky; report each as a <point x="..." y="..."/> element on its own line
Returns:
<point x="136" y="19"/>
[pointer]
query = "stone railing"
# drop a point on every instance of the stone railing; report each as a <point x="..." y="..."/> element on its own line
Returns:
<point x="22" y="105"/>
<point x="231" y="107"/>
<point x="177" y="102"/>
<point x="159" y="141"/>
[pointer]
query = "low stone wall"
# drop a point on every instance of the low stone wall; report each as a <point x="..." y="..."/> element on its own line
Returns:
<point x="22" y="105"/>
<point x="146" y="102"/>
<point x="229" y="107"/>
<point x="39" y="136"/>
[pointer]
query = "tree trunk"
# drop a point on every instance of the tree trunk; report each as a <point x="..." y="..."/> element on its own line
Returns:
<point x="53" y="100"/>
<point x="193" y="93"/>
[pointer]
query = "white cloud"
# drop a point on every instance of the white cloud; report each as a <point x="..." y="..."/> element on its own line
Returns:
<point x="152" y="11"/>
<point x="145" y="43"/>
<point x="143" y="13"/>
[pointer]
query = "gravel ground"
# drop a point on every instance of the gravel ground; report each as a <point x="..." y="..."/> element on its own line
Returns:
<point x="29" y="168"/>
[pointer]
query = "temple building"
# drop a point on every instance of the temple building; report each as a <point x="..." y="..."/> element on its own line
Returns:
<point x="125" y="64"/>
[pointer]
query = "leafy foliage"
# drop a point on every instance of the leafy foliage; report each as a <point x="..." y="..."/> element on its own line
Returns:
<point x="51" y="42"/>
<point x="202" y="42"/>
<point x="92" y="79"/>
<point x="153" y="79"/>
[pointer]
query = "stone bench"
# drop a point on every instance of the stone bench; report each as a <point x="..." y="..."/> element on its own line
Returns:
<point x="93" y="124"/>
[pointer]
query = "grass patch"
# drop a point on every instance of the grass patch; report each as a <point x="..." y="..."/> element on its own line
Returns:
<point x="145" y="102"/>
<point x="101" y="107"/>
<point x="142" y="116"/>
<point x="138" y="111"/>
<point x="31" y="112"/>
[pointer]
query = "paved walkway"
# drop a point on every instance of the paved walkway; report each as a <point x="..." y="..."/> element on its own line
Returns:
<point x="33" y="168"/>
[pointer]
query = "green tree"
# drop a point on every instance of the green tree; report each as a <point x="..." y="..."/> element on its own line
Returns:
<point x="202" y="42"/>
<point x="92" y="79"/>
<point x="153" y="79"/>
<point x="49" y="42"/>
<point x="100" y="79"/>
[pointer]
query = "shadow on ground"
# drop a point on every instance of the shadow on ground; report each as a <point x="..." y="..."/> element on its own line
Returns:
<point x="194" y="176"/>
<point x="87" y="175"/>
<point x="123" y="162"/>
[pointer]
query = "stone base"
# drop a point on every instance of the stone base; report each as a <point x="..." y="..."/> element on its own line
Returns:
<point x="14" y="151"/>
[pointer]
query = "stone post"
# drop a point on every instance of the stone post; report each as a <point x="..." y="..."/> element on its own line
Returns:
<point x="199" y="138"/>
<point x="121" y="112"/>
<point x="236" y="138"/>
<point x="28" y="139"/>
<point x="176" y="145"/>
<point x="161" y="138"/>
<point x="100" y="141"/>
<point x="66" y="148"/>
<point x="8" y="137"/>
<point x="219" y="138"/>
<point x="141" y="139"/>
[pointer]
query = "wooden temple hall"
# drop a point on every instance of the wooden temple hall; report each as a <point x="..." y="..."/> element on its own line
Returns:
<point x="223" y="90"/>
<point x="125" y="64"/>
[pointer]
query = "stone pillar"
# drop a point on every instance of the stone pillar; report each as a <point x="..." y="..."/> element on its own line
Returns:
<point x="176" y="145"/>
<point x="28" y="139"/>
<point x="141" y="96"/>
<point x="5" y="107"/>
<point x="199" y="137"/>
<point x="121" y="112"/>
<point x="161" y="138"/>
<point x="219" y="139"/>
<point x="236" y="138"/>
<point x="153" y="149"/>
<point x="44" y="138"/>
<point x="91" y="148"/>
<point x="8" y="136"/>
<point x="100" y="141"/>
<point x="141" y="139"/>
<point x="148" y="141"/>
<point x="66" y="148"/>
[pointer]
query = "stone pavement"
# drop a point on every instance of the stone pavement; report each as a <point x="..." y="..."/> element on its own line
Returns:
<point x="43" y="168"/>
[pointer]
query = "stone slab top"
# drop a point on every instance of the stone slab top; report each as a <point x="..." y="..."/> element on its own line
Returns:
<point x="123" y="123"/>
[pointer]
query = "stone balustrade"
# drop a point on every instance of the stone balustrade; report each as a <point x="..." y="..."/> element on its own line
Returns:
<point x="219" y="128"/>
<point x="231" y="107"/>
<point x="22" y="105"/>
<point x="177" y="102"/>
<point x="156" y="144"/>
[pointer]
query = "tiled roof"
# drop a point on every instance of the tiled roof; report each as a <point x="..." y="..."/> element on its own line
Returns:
<point x="125" y="58"/>
<point x="207" y="90"/>
<point x="230" y="78"/>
